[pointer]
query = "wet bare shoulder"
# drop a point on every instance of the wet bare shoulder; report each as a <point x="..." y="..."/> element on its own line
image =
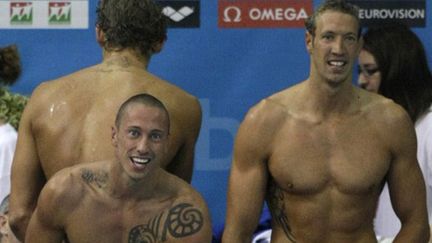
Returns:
<point x="62" y="196"/>
<point x="189" y="212"/>
<point x="43" y="93"/>
<point x="62" y="193"/>
<point x="387" y="117"/>
<point x="175" y="98"/>
<point x="270" y="112"/>
<point x="381" y="110"/>
<point x="258" y="129"/>
<point x="55" y="91"/>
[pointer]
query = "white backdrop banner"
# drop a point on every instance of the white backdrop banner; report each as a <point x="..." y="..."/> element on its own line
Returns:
<point x="72" y="14"/>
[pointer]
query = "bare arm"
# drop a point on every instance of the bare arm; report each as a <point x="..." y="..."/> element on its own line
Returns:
<point x="46" y="222"/>
<point x="42" y="230"/>
<point x="406" y="184"/>
<point x="199" y="212"/>
<point x="27" y="176"/>
<point x="183" y="163"/>
<point x="205" y="233"/>
<point x="248" y="177"/>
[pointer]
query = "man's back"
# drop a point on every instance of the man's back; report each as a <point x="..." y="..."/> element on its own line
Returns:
<point x="70" y="116"/>
<point x="67" y="121"/>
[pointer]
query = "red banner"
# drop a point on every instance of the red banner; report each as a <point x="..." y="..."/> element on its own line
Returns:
<point x="263" y="13"/>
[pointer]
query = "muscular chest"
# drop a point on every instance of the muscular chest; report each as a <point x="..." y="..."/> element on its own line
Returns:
<point x="308" y="158"/>
<point x="147" y="222"/>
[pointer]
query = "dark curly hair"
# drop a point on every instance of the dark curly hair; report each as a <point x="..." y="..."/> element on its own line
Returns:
<point x="10" y="66"/>
<point x="136" y="24"/>
<point x="11" y="105"/>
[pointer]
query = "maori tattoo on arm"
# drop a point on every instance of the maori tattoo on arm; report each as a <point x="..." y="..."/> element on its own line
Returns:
<point x="182" y="220"/>
<point x="275" y="198"/>
<point x="100" y="178"/>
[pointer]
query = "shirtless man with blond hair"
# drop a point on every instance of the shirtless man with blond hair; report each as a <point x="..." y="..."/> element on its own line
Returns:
<point x="66" y="120"/>
<point x="128" y="199"/>
<point x="321" y="151"/>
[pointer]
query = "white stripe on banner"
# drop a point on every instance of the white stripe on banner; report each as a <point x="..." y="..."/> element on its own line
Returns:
<point x="60" y="14"/>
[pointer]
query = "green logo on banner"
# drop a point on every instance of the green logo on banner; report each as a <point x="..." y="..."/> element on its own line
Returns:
<point x="21" y="13"/>
<point x="59" y="13"/>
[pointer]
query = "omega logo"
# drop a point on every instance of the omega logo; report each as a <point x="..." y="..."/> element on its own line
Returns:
<point x="236" y="12"/>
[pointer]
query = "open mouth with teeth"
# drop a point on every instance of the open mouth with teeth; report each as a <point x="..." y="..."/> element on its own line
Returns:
<point x="337" y="65"/>
<point x="140" y="162"/>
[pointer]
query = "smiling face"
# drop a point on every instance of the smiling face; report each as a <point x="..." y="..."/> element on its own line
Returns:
<point x="369" y="75"/>
<point x="333" y="47"/>
<point x="6" y="234"/>
<point x="141" y="139"/>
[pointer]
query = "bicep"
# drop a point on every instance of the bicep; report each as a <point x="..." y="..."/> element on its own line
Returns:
<point x="27" y="174"/>
<point x="188" y="219"/>
<point x="247" y="186"/>
<point x="46" y="223"/>
<point x="205" y="230"/>
<point x="405" y="180"/>
<point x="27" y="177"/>
<point x="248" y="180"/>
<point x="41" y="230"/>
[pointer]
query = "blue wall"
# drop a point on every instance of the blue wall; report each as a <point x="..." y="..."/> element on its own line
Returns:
<point x="228" y="69"/>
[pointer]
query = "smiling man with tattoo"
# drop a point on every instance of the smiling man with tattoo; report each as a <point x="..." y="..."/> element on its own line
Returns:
<point x="66" y="120"/>
<point x="321" y="151"/>
<point x="126" y="200"/>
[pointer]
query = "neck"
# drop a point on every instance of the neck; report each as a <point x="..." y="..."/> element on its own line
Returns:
<point x="125" y="58"/>
<point x="121" y="185"/>
<point x="326" y="99"/>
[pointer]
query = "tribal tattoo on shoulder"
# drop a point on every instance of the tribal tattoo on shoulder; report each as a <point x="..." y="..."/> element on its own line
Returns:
<point x="99" y="178"/>
<point x="182" y="220"/>
<point x="275" y="199"/>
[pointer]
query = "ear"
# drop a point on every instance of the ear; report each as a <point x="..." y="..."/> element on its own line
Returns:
<point x="3" y="225"/>
<point x="309" y="42"/>
<point x="100" y="36"/>
<point x="157" y="47"/>
<point x="114" y="136"/>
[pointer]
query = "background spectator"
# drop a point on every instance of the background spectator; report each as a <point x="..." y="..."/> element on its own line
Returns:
<point x="393" y="63"/>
